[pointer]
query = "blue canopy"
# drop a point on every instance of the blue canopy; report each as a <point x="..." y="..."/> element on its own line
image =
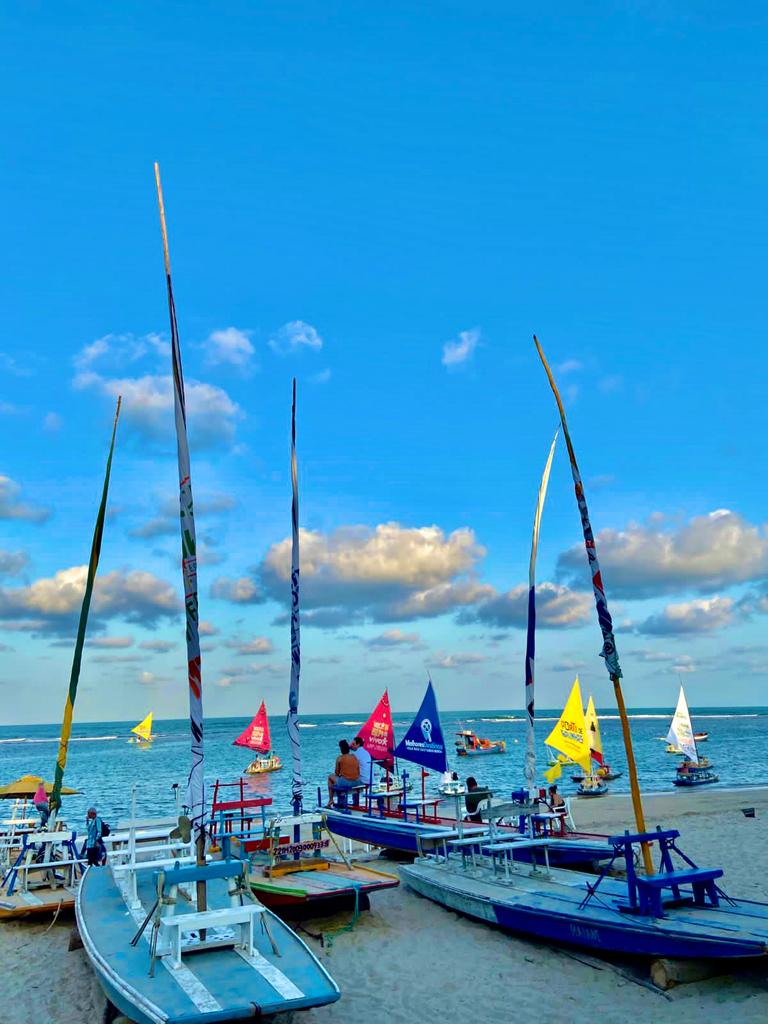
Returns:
<point x="423" y="743"/>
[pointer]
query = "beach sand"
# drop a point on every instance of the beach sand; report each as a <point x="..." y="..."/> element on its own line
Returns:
<point x="410" y="958"/>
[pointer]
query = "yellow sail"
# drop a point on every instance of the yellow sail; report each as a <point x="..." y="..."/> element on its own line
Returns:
<point x="593" y="731"/>
<point x="144" y="729"/>
<point x="570" y="734"/>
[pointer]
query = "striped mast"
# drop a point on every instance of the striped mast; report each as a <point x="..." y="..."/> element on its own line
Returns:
<point x="293" y="694"/>
<point x="74" y="676"/>
<point x="530" y="643"/>
<point x="195" y="799"/>
<point x="609" y="652"/>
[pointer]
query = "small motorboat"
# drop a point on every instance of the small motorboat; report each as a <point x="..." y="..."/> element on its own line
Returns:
<point x="592" y="786"/>
<point x="468" y="744"/>
<point x="701" y="737"/>
<point x="692" y="773"/>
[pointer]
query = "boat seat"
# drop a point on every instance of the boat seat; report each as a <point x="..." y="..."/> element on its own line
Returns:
<point x="181" y="875"/>
<point x="174" y="926"/>
<point x="341" y="796"/>
<point x="702" y="880"/>
<point x="660" y="835"/>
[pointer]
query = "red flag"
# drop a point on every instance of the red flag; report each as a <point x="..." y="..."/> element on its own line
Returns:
<point x="377" y="734"/>
<point x="256" y="736"/>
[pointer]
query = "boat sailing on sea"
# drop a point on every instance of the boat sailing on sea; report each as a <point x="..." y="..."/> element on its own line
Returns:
<point x="257" y="738"/>
<point x="469" y="744"/>
<point x="142" y="733"/>
<point x="694" y="770"/>
<point x="603" y="772"/>
<point x="158" y="901"/>
<point x="672" y="909"/>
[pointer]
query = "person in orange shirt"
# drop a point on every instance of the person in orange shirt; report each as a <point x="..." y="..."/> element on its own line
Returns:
<point x="346" y="772"/>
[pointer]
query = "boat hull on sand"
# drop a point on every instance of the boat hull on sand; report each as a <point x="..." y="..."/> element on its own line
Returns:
<point x="220" y="984"/>
<point x="549" y="909"/>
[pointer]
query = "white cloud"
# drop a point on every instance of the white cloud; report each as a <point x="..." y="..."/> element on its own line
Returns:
<point x="294" y="337"/>
<point x="159" y="646"/>
<point x="260" y="645"/>
<point x="52" y="423"/>
<point x="206" y="628"/>
<point x="110" y="642"/>
<point x="12" y="508"/>
<point x="701" y="616"/>
<point x="568" y="366"/>
<point x="456" y="353"/>
<point x="12" y="562"/>
<point x="321" y="378"/>
<point x="394" y="638"/>
<point x="242" y="590"/>
<point x="148" y="406"/>
<point x="459" y="660"/>
<point x="557" y="607"/>
<point x="230" y="346"/>
<point x="10" y="364"/>
<point x="706" y="554"/>
<point x="52" y="604"/>
<point x="166" y="522"/>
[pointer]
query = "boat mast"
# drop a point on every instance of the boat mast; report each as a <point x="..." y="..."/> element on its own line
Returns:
<point x="609" y="651"/>
<point x="293" y="693"/>
<point x="196" y="781"/>
<point x="530" y="644"/>
<point x="74" y="677"/>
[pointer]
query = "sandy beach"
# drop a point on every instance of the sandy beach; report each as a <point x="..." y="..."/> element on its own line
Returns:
<point x="416" y="959"/>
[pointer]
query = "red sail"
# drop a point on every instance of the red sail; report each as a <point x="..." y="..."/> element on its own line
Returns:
<point x="256" y="736"/>
<point x="377" y="734"/>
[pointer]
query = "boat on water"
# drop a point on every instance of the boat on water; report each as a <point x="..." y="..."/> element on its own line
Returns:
<point x="469" y="744"/>
<point x="591" y="786"/>
<point x="694" y="770"/>
<point x="171" y="936"/>
<point x="256" y="737"/>
<point x="672" y="909"/>
<point x="142" y="733"/>
<point x="593" y="783"/>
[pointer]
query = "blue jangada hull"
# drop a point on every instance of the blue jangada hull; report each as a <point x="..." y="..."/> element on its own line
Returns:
<point x="216" y="984"/>
<point x="551" y="909"/>
<point x="701" y="779"/>
<point x="480" y="752"/>
<point x="403" y="836"/>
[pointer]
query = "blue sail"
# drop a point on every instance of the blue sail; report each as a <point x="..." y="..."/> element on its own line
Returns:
<point x="423" y="743"/>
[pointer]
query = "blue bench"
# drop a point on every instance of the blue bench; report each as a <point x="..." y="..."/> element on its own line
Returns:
<point x="341" y="796"/>
<point x="181" y="875"/>
<point x="650" y="888"/>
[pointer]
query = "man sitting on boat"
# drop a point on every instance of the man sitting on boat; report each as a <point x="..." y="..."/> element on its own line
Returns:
<point x="476" y="795"/>
<point x="365" y="761"/>
<point x="346" y="772"/>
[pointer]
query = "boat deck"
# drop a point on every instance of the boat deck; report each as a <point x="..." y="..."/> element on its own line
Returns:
<point x="315" y="887"/>
<point x="211" y="985"/>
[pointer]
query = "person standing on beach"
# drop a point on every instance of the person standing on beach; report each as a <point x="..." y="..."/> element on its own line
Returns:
<point x="366" y="765"/>
<point x="40" y="800"/>
<point x="94" y="847"/>
<point x="346" y="771"/>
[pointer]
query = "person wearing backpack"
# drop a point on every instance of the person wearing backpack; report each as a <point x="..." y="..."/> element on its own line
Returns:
<point x="95" y="828"/>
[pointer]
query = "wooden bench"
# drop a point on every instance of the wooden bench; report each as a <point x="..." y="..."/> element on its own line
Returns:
<point x="173" y="926"/>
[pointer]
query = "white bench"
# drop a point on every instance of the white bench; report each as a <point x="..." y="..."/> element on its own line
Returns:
<point x="172" y="928"/>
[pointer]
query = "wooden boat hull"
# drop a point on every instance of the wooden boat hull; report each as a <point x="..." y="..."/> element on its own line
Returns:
<point x="320" y="891"/>
<point x="213" y="985"/>
<point x="687" y="781"/>
<point x="38" y="903"/>
<point x="402" y="836"/>
<point x="551" y="911"/>
<point x="481" y="752"/>
<point x="262" y="771"/>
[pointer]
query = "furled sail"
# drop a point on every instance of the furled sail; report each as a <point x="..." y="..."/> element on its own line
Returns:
<point x="681" y="731"/>
<point x="569" y="736"/>
<point x="530" y="646"/>
<point x="144" y="729"/>
<point x="593" y="731"/>
<point x="378" y="734"/>
<point x="423" y="743"/>
<point x="297" y="781"/>
<point x="256" y="736"/>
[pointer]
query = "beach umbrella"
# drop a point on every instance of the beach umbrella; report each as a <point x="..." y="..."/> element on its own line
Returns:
<point x="26" y="787"/>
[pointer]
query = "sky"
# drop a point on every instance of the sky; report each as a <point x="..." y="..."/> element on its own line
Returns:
<point x="386" y="203"/>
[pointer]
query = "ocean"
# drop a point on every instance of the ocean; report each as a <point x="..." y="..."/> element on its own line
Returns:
<point x="104" y="766"/>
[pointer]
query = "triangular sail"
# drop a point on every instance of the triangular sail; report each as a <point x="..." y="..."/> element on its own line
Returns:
<point x="196" y="778"/>
<point x="681" y="731"/>
<point x="530" y="646"/>
<point x="378" y="734"/>
<point x="297" y="782"/>
<point x="423" y="743"/>
<point x="144" y="729"/>
<point x="569" y="736"/>
<point x="593" y="730"/>
<point x="256" y="736"/>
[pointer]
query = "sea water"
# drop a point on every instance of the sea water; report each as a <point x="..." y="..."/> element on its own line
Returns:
<point x="105" y="767"/>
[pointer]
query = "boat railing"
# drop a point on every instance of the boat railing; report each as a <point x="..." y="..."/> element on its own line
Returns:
<point x="139" y="848"/>
<point x="47" y="855"/>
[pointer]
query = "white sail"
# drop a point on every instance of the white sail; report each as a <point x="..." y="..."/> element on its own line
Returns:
<point x="681" y="732"/>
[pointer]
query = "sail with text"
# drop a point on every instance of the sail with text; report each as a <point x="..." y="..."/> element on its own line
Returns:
<point x="256" y="736"/>
<point x="680" y="732"/>
<point x="144" y="729"/>
<point x="423" y="744"/>
<point x="378" y="734"/>
<point x="569" y="736"/>
<point x="593" y="730"/>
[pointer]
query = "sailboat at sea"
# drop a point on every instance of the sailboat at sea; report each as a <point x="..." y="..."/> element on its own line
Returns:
<point x="142" y="733"/>
<point x="694" y="770"/>
<point x="603" y="772"/>
<point x="572" y="739"/>
<point x="672" y="908"/>
<point x="257" y="738"/>
<point x="171" y="936"/>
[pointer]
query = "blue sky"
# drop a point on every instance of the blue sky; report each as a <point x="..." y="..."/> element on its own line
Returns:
<point x="385" y="204"/>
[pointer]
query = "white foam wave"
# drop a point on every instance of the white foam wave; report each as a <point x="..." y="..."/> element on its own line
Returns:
<point x="55" y="739"/>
